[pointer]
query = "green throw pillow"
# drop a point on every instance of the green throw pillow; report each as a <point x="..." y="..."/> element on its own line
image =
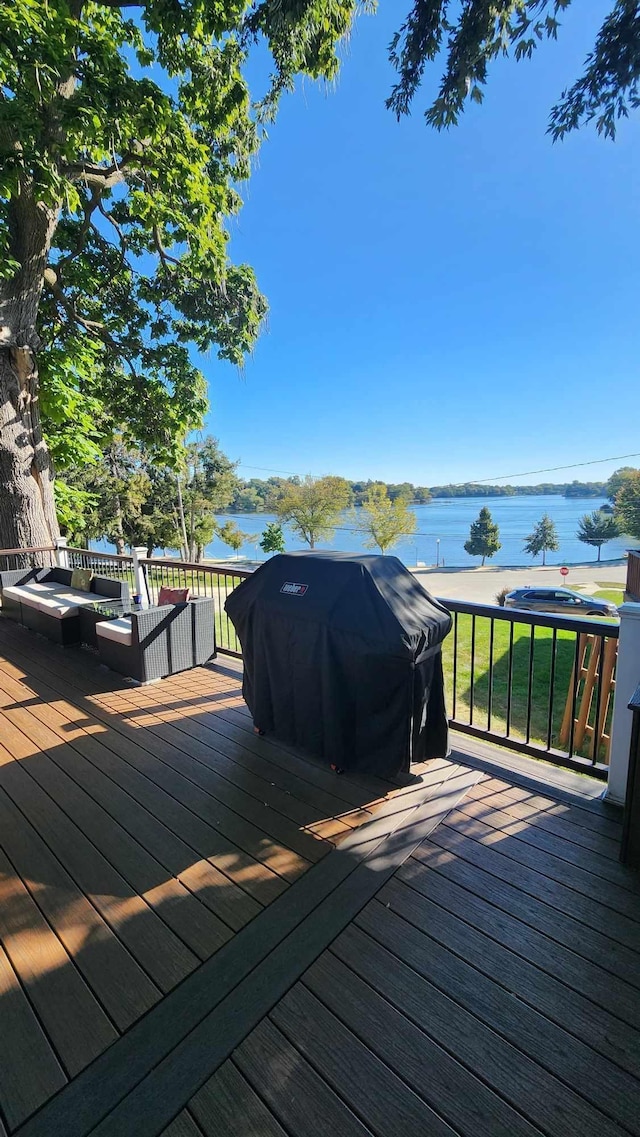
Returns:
<point x="81" y="579"/>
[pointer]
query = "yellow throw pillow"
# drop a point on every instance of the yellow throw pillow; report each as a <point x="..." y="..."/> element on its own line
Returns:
<point x="81" y="579"/>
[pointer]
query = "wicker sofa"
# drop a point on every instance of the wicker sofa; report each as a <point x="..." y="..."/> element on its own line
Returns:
<point x="43" y="600"/>
<point x="160" y="641"/>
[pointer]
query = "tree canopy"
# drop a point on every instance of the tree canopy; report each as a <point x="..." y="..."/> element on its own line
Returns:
<point x="542" y="539"/>
<point x="232" y="535"/>
<point x="272" y="538"/>
<point x="313" y="507"/>
<point x="484" y="536"/>
<point x="384" y="520"/>
<point x="596" y="529"/>
<point x="618" y="479"/>
<point x="122" y="146"/>
<point x="627" y="506"/>
<point x="471" y="36"/>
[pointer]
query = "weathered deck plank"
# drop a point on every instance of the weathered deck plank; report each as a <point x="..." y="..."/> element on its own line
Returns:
<point x="231" y="941"/>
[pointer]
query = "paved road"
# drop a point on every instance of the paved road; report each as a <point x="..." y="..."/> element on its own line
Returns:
<point x="482" y="584"/>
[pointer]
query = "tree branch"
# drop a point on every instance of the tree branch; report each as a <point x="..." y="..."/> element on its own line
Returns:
<point x="118" y="228"/>
<point x="165" y="257"/>
<point x="92" y="327"/>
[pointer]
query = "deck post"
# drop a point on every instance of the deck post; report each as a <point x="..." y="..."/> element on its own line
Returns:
<point x="61" y="554"/>
<point x="139" y="577"/>
<point x="627" y="679"/>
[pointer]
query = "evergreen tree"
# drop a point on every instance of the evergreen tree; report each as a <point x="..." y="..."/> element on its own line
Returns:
<point x="543" y="538"/>
<point x="596" y="529"/>
<point x="272" y="538"/>
<point x="483" y="536"/>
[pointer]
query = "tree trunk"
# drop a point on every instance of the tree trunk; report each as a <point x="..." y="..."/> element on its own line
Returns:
<point x="183" y="527"/>
<point x="599" y="551"/>
<point x="27" y="507"/>
<point x="482" y="565"/>
<point x="544" y="557"/>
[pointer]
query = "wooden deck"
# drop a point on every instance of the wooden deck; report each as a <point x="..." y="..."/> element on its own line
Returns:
<point x="203" y="932"/>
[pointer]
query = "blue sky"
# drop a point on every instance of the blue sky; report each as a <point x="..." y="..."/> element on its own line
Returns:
<point x="443" y="307"/>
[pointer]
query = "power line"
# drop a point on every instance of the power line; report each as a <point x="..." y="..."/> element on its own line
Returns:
<point x="479" y="481"/>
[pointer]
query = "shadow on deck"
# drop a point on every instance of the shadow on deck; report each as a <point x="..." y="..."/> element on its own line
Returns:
<point x="203" y="932"/>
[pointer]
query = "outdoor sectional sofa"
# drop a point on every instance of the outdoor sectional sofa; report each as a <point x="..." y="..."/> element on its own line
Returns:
<point x="43" y="600"/>
<point x="154" y="642"/>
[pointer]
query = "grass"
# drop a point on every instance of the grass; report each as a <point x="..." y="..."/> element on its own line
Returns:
<point x="474" y="706"/>
<point x="613" y="595"/>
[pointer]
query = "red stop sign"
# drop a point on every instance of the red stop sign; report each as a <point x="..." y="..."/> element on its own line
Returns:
<point x="564" y="571"/>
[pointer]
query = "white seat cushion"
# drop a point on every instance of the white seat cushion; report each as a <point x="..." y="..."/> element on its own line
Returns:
<point x="15" y="592"/>
<point x="57" y="607"/>
<point x="72" y="596"/>
<point x="30" y="593"/>
<point x="117" y="630"/>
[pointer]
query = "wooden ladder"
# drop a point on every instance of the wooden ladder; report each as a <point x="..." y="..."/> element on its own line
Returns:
<point x="596" y="661"/>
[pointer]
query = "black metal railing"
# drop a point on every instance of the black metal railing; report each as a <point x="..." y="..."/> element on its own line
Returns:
<point x="104" y="564"/>
<point x="536" y="683"/>
<point x="214" y="581"/>
<point x="40" y="557"/>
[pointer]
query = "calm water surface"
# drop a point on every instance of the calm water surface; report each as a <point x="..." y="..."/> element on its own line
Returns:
<point x="448" y="521"/>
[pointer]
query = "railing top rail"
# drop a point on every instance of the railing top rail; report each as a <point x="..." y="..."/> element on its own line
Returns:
<point x="218" y="569"/>
<point x="97" y="553"/>
<point x="540" y="619"/>
<point x="30" y="549"/>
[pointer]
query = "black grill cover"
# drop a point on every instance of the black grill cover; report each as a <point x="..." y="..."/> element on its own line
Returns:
<point x="342" y="658"/>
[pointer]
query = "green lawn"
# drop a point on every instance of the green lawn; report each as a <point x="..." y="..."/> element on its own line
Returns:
<point x="498" y="675"/>
<point x="613" y="595"/>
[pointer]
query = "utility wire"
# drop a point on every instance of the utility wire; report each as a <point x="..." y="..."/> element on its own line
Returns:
<point x="477" y="481"/>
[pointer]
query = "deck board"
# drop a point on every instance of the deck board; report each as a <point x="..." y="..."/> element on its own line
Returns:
<point x="416" y="939"/>
<point x="455" y="843"/>
<point x="71" y="1015"/>
<point x="205" y="933"/>
<point x="228" y="1104"/>
<point x="521" y="806"/>
<point x="136" y="842"/>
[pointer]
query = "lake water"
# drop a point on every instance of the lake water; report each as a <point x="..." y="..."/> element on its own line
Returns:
<point x="447" y="521"/>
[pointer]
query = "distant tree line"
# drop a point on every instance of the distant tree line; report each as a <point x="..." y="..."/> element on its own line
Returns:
<point x="562" y="489"/>
<point x="129" y="499"/>
<point x="257" y="495"/>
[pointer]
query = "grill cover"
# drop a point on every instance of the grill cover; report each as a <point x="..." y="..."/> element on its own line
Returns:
<point x="342" y="657"/>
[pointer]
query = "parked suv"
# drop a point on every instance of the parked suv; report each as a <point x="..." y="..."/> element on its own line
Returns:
<point x="558" y="600"/>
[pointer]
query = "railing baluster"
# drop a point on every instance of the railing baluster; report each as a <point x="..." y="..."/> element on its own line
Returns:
<point x="574" y="696"/>
<point x="532" y="640"/>
<point x="509" y="681"/>
<point x="455" y="663"/>
<point x="492" y="625"/>
<point x="473" y="669"/>
<point x="552" y="680"/>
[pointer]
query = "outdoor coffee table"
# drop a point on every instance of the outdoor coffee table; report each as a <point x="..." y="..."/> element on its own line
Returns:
<point x="93" y="614"/>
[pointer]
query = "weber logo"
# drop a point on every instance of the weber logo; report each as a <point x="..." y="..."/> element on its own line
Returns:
<point x="291" y="589"/>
